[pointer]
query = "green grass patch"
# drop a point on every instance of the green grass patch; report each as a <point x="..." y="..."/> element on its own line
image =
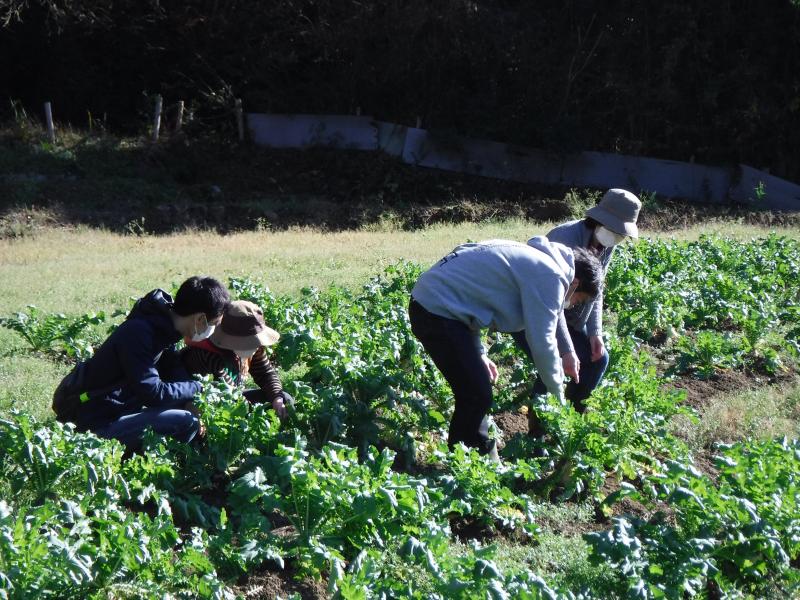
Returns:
<point x="766" y="412"/>
<point x="27" y="380"/>
<point x="563" y="561"/>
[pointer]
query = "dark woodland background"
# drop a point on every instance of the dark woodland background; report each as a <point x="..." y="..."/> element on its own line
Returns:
<point x="715" y="82"/>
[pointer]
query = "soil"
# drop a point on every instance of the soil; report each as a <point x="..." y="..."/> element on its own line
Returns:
<point x="268" y="584"/>
<point x="511" y="423"/>
<point x="468" y="528"/>
<point x="570" y="528"/>
<point x="699" y="391"/>
<point x="629" y="507"/>
<point x="704" y="462"/>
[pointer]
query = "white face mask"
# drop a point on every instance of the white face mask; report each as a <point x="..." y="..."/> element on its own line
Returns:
<point x="606" y="237"/>
<point x="245" y="353"/>
<point x="203" y="335"/>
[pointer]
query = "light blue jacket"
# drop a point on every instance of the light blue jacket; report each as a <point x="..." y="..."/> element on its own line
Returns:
<point x="508" y="286"/>
<point x="587" y="317"/>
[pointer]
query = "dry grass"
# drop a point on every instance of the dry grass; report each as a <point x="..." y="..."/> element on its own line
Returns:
<point x="75" y="270"/>
<point x="766" y="412"/>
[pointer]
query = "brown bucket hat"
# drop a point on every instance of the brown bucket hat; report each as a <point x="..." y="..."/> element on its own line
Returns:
<point x="617" y="210"/>
<point x="243" y="328"/>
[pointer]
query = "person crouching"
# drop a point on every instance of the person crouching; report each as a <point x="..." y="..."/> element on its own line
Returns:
<point x="238" y="347"/>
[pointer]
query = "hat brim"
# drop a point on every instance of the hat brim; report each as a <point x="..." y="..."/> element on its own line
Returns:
<point x="265" y="337"/>
<point x="612" y="222"/>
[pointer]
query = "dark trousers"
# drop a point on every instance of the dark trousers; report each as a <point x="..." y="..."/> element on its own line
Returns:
<point x="183" y="425"/>
<point x="590" y="373"/>
<point x="451" y="345"/>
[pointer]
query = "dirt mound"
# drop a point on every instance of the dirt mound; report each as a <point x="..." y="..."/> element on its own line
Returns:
<point x="699" y="391"/>
<point x="269" y="584"/>
<point x="511" y="423"/>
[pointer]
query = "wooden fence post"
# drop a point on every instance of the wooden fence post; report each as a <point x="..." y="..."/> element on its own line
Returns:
<point x="240" y="119"/>
<point x="179" y="118"/>
<point x="51" y="129"/>
<point x="157" y="118"/>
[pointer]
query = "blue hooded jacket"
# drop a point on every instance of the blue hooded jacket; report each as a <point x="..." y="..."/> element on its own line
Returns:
<point x="137" y="367"/>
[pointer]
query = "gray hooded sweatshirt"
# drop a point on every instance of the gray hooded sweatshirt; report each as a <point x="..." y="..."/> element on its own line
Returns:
<point x="508" y="286"/>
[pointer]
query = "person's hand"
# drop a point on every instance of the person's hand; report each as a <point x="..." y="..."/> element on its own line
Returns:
<point x="571" y="365"/>
<point x="279" y="407"/>
<point x="598" y="347"/>
<point x="491" y="367"/>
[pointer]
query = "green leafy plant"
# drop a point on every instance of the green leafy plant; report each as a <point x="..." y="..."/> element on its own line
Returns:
<point x="363" y="385"/>
<point x="323" y="492"/>
<point x="710" y="352"/>
<point x="337" y="505"/>
<point x="54" y="333"/>
<point x="743" y="294"/>
<point x="730" y="533"/>
<point x="67" y="531"/>
<point x="479" y="489"/>
<point x="469" y="573"/>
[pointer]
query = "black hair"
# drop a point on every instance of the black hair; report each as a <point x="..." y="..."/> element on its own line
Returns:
<point x="589" y="272"/>
<point x="201" y="295"/>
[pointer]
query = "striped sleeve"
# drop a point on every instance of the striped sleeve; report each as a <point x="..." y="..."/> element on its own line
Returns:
<point x="202" y="362"/>
<point x="264" y="374"/>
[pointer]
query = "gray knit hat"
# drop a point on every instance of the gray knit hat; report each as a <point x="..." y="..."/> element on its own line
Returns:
<point x="243" y="328"/>
<point x="617" y="210"/>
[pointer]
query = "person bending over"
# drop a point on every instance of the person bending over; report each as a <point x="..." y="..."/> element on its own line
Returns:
<point x="580" y="329"/>
<point x="508" y="286"/>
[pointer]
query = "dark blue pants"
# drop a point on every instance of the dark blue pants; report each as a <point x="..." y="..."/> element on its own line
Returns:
<point x="174" y="422"/>
<point x="451" y="345"/>
<point x="590" y="373"/>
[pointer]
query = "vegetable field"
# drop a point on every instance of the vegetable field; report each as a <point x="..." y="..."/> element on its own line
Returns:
<point x="356" y="495"/>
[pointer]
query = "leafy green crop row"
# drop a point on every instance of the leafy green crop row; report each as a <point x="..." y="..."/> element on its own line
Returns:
<point x="725" y="535"/>
<point x="357" y="483"/>
<point x="731" y="303"/>
<point x="67" y="530"/>
<point x="54" y="334"/>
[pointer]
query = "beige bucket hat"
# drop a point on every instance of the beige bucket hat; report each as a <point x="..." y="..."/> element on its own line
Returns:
<point x="617" y="210"/>
<point x="243" y="328"/>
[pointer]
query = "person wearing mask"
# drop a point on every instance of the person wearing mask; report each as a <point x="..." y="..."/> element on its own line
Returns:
<point x="580" y="329"/>
<point x="135" y="379"/>
<point x="508" y="286"/>
<point x="238" y="347"/>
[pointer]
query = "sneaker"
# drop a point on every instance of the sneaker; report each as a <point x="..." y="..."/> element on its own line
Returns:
<point x="539" y="451"/>
<point x="493" y="454"/>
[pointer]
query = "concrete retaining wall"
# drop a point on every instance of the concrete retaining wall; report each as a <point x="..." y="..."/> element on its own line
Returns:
<point x="423" y="148"/>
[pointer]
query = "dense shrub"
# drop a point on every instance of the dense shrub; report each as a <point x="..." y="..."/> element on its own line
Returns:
<point x="717" y="82"/>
